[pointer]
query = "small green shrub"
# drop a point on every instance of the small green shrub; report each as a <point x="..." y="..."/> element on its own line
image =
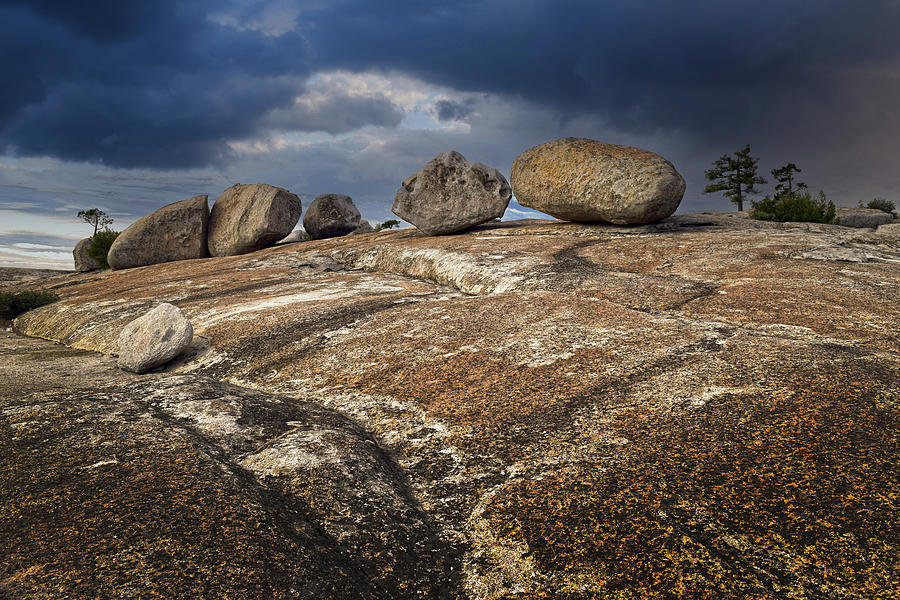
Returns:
<point x="100" y="244"/>
<point x="14" y="304"/>
<point x="389" y="224"/>
<point x="794" y="207"/>
<point x="882" y="204"/>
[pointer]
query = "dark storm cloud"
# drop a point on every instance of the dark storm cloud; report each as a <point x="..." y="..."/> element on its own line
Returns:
<point x="702" y="65"/>
<point x="163" y="85"/>
<point x="448" y="110"/>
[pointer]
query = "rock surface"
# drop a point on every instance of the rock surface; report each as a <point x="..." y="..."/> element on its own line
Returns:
<point x="83" y="262"/>
<point x="182" y="487"/>
<point x="705" y="407"/>
<point x="583" y="180"/>
<point x="451" y="194"/>
<point x="246" y="218"/>
<point x="154" y="339"/>
<point x="862" y="217"/>
<point x="174" y="232"/>
<point x="331" y="215"/>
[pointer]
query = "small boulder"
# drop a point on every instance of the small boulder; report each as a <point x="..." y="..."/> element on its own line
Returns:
<point x="331" y="215"/>
<point x="246" y="218"/>
<point x="297" y="235"/>
<point x="578" y="179"/>
<point x="83" y="262"/>
<point x="154" y="339"/>
<point x="861" y="217"/>
<point x="364" y="227"/>
<point x="174" y="232"/>
<point x="451" y="194"/>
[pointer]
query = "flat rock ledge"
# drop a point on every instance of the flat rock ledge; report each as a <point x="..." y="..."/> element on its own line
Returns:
<point x="706" y="406"/>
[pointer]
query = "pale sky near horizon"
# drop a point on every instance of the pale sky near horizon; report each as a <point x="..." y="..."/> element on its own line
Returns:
<point x="131" y="106"/>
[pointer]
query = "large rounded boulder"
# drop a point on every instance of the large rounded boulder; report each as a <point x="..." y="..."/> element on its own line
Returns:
<point x="154" y="339"/>
<point x="246" y="218"/>
<point x="174" y="232"/>
<point x="577" y="179"/>
<point x="451" y="194"/>
<point x="331" y="215"/>
<point x="83" y="261"/>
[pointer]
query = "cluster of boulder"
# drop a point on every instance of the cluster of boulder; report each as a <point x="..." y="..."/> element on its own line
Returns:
<point x="243" y="219"/>
<point x="574" y="179"/>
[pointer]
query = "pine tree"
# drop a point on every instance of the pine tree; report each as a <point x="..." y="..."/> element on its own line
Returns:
<point x="95" y="217"/>
<point x="736" y="176"/>
<point x="785" y="178"/>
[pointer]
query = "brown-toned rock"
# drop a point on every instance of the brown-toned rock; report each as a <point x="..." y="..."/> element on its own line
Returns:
<point x="174" y="232"/>
<point x="704" y="407"/>
<point x="83" y="262"/>
<point x="451" y="194"/>
<point x="170" y="487"/>
<point x="331" y="215"/>
<point x="246" y="218"/>
<point x="578" y="179"/>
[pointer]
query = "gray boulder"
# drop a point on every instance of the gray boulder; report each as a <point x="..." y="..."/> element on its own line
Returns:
<point x="578" y="179"/>
<point x="83" y="262"/>
<point x="331" y="215"/>
<point x="861" y="217"/>
<point x="364" y="227"/>
<point x="174" y="232"/>
<point x="297" y="235"/>
<point x="251" y="217"/>
<point x="154" y="339"/>
<point x="451" y="194"/>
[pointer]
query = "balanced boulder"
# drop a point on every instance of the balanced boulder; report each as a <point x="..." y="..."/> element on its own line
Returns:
<point x="577" y="179"/>
<point x="251" y="217"/>
<point x="331" y="215"/>
<point x="174" y="232"/>
<point x="83" y="262"/>
<point x="154" y="339"/>
<point x="451" y="194"/>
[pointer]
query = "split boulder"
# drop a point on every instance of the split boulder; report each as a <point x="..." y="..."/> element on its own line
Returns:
<point x="451" y="194"/>
<point x="246" y="218"/>
<point x="577" y="179"/>
<point x="83" y="262"/>
<point x="174" y="232"/>
<point x="154" y="339"/>
<point x="331" y="215"/>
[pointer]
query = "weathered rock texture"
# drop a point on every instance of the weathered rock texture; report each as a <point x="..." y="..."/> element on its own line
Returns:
<point x="83" y="262"/>
<point x="583" y="180"/>
<point x="154" y="339"/>
<point x="184" y="487"/>
<point x="331" y="215"/>
<point x="862" y="217"/>
<point x="246" y="218"/>
<point x="174" y="232"/>
<point x="705" y="407"/>
<point x="451" y="194"/>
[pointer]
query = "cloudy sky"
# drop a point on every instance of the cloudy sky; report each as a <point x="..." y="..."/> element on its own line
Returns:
<point x="128" y="106"/>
